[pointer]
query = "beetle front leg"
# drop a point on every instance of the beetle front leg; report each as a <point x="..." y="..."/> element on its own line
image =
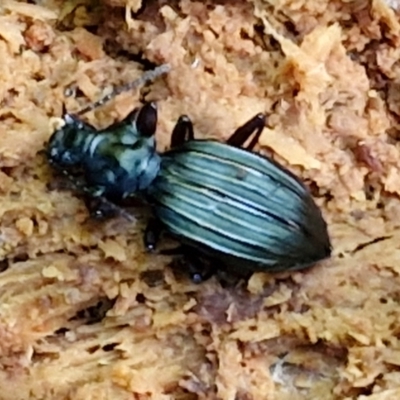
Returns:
<point x="255" y="125"/>
<point x="182" y="132"/>
<point x="152" y="234"/>
<point x="200" y="269"/>
<point x="101" y="209"/>
<point x="146" y="119"/>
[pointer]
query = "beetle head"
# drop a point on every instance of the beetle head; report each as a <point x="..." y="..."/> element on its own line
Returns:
<point x="65" y="145"/>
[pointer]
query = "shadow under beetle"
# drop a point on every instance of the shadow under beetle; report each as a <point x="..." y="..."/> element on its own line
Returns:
<point x="230" y="208"/>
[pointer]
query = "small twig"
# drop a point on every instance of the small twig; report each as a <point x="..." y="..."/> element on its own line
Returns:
<point x="146" y="77"/>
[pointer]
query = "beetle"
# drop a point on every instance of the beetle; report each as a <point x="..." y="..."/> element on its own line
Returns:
<point x="227" y="205"/>
<point x="236" y="209"/>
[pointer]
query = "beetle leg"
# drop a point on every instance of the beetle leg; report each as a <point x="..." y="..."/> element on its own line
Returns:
<point x="199" y="271"/>
<point x="146" y="119"/>
<point x="99" y="208"/>
<point x="175" y="251"/>
<point x="182" y="132"/>
<point x="152" y="234"/>
<point x="200" y="268"/>
<point x="255" y="125"/>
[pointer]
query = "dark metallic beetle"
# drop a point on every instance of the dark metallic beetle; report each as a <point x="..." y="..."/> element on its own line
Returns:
<point x="230" y="208"/>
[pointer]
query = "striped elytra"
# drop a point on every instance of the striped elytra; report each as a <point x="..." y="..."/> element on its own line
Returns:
<point x="238" y="207"/>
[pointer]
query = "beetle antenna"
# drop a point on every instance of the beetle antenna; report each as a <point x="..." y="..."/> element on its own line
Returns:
<point x="146" y="77"/>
